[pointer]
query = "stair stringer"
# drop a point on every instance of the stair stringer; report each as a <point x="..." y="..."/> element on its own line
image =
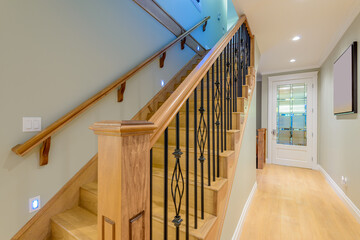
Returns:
<point x="231" y="168"/>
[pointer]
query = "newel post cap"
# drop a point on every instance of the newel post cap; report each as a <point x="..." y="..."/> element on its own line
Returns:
<point x="123" y="128"/>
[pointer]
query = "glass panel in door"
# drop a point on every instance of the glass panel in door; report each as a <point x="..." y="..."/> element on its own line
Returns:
<point x="291" y="113"/>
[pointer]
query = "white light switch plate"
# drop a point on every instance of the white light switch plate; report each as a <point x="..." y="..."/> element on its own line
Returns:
<point x="31" y="124"/>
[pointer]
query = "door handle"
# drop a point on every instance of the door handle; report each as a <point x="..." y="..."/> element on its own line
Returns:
<point x="273" y="132"/>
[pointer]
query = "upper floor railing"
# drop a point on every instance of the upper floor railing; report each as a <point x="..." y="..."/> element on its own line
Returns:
<point x="44" y="137"/>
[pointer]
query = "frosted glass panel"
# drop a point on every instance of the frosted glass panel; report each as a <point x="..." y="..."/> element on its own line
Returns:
<point x="291" y="114"/>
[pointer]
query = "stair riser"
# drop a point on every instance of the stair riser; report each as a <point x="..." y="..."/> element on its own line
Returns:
<point x="88" y="200"/>
<point x="209" y="196"/>
<point x="158" y="161"/>
<point x="58" y="233"/>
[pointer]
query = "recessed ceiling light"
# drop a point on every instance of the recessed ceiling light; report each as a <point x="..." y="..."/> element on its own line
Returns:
<point x="292" y="60"/>
<point x="296" y="38"/>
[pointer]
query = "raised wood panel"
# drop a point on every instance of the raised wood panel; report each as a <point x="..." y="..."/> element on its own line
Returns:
<point x="108" y="232"/>
<point x="137" y="227"/>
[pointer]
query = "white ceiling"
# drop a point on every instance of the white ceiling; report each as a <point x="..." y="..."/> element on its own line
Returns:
<point x="320" y="23"/>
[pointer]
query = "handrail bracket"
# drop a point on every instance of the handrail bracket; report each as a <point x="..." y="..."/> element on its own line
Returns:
<point x="120" y="93"/>
<point x="162" y="59"/>
<point x="183" y="43"/>
<point x="44" y="152"/>
<point x="204" y="26"/>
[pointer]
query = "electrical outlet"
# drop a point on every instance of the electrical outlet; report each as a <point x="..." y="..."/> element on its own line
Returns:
<point x="34" y="204"/>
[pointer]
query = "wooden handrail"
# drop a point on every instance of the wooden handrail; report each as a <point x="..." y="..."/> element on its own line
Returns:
<point x="166" y="113"/>
<point x="43" y="136"/>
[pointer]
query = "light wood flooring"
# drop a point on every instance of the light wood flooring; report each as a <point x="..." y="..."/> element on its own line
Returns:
<point x="294" y="203"/>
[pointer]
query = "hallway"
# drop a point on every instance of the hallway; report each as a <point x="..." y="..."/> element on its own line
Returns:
<point x="294" y="203"/>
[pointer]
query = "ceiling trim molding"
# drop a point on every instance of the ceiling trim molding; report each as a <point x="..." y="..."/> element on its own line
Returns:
<point x="331" y="46"/>
<point x="290" y="70"/>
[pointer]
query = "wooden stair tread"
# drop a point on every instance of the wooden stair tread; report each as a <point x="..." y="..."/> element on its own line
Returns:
<point x="77" y="222"/>
<point x="204" y="225"/>
<point x="215" y="185"/>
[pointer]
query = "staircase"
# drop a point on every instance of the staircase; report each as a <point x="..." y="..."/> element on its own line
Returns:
<point x="168" y="172"/>
<point x="80" y="222"/>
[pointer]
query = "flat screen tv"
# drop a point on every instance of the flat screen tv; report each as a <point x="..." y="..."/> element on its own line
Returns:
<point x="345" y="82"/>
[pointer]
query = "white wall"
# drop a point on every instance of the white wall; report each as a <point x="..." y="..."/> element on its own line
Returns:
<point x="56" y="54"/>
<point x="339" y="137"/>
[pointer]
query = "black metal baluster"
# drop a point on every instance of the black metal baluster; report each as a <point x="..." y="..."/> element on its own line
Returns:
<point x="223" y="101"/>
<point x="187" y="170"/>
<point x="233" y="98"/>
<point x="195" y="158"/>
<point x="213" y="118"/>
<point x="166" y="139"/>
<point x="236" y="76"/>
<point x="219" y="77"/>
<point x="228" y="80"/>
<point x="218" y="116"/>
<point x="231" y="84"/>
<point x="151" y="181"/>
<point x="225" y="86"/>
<point x="223" y="82"/>
<point x="177" y="181"/>
<point x="202" y="137"/>
<point x="208" y="126"/>
<point x="240" y="83"/>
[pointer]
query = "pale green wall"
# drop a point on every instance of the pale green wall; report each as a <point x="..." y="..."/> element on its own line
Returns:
<point x="339" y="137"/>
<point x="245" y="174"/>
<point x="54" y="55"/>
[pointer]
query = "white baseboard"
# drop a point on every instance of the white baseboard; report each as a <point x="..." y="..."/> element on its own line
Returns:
<point x="240" y="224"/>
<point x="349" y="204"/>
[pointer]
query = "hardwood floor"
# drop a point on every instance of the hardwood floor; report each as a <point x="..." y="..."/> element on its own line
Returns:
<point x="294" y="203"/>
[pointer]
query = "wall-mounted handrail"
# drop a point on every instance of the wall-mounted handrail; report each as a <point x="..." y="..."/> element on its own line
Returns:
<point x="166" y="113"/>
<point x="45" y="135"/>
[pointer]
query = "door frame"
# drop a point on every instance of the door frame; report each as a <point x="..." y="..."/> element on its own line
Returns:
<point x="271" y="80"/>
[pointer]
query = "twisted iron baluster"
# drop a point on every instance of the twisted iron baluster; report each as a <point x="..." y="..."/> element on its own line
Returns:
<point x="236" y="75"/>
<point x="201" y="141"/>
<point x="177" y="190"/>
<point x="217" y="99"/>
<point x="242" y="55"/>
<point x="228" y="82"/>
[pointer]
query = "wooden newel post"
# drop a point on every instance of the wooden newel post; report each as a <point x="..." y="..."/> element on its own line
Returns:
<point x="123" y="179"/>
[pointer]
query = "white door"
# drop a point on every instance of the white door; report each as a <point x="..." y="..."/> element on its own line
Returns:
<point x="292" y="120"/>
